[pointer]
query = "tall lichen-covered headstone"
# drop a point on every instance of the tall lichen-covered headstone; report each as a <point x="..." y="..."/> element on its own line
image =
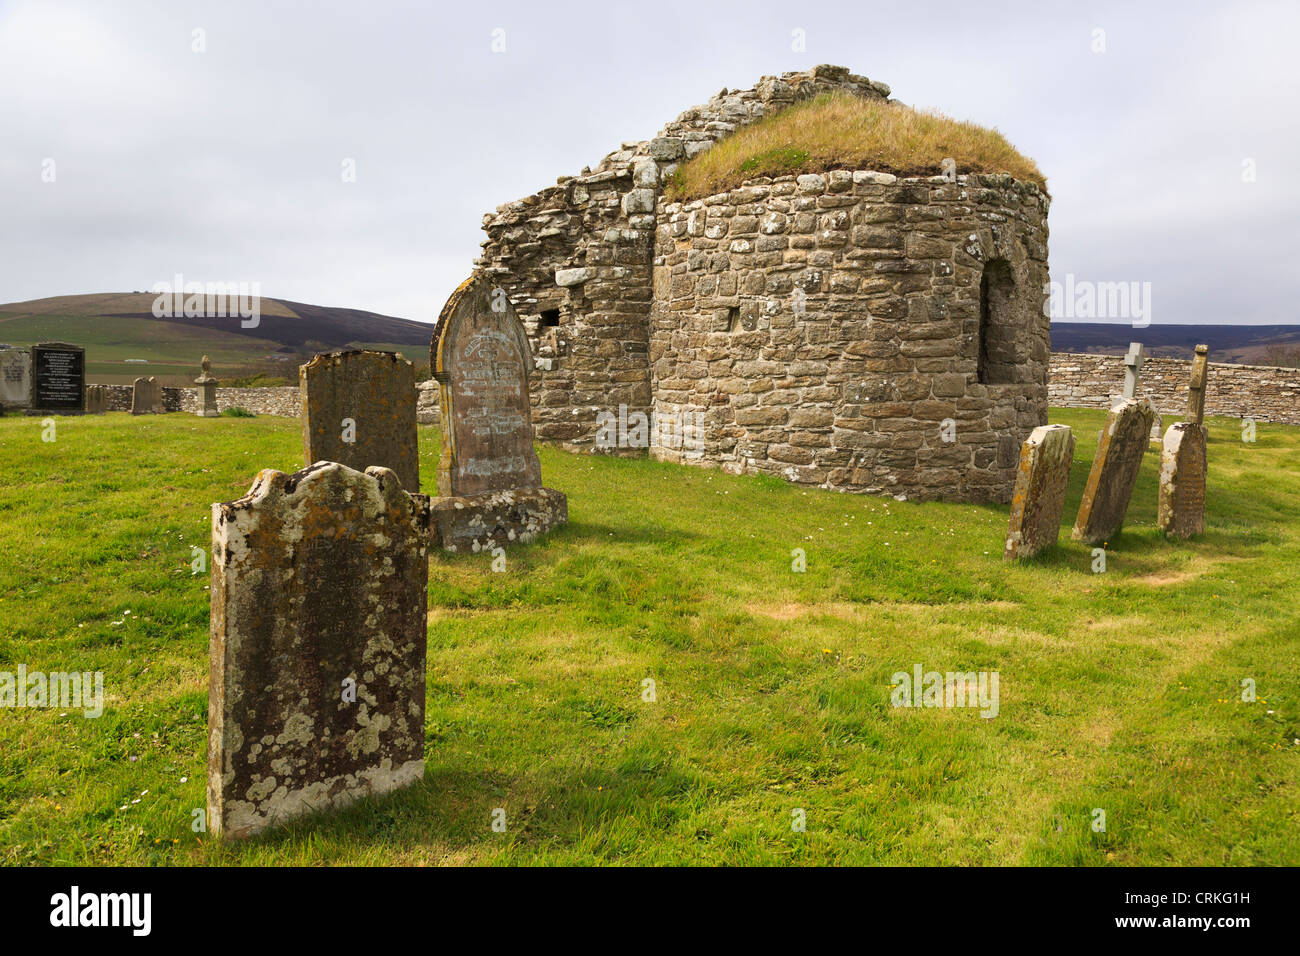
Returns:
<point x="15" y="379"/>
<point x="317" y="653"/>
<point x="489" y="475"/>
<point x="1180" y="510"/>
<point x="58" y="378"/>
<point x="1039" y="495"/>
<point x="1196" y="387"/>
<point x="146" y="397"/>
<point x="206" y="392"/>
<point x="1114" y="472"/>
<point x="358" y="408"/>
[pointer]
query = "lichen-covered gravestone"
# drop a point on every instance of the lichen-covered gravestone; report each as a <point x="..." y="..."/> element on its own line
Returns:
<point x="1180" y="511"/>
<point x="146" y="397"/>
<point x="1039" y="495"/>
<point x="206" y="394"/>
<point x="489" y="475"/>
<point x="1114" y="472"/>
<point x="358" y="408"/>
<point x="317" y="656"/>
<point x="15" y="379"/>
<point x="96" y="399"/>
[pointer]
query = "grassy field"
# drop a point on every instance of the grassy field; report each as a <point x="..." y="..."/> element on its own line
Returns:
<point x="1118" y="690"/>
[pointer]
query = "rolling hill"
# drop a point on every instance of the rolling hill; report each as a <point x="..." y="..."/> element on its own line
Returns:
<point x="1245" y="344"/>
<point x="123" y="338"/>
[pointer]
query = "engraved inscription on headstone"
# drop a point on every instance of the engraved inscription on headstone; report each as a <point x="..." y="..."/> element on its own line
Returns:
<point x="1039" y="495"/>
<point x="58" y="377"/>
<point x="15" y="378"/>
<point x="1114" y="472"/>
<point x="358" y="408"/>
<point x="317" y="644"/>
<point x="1180" y="512"/>
<point x="480" y="356"/>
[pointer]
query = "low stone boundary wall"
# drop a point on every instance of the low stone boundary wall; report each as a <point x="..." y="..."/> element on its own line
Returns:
<point x="279" y="400"/>
<point x="1262" y="392"/>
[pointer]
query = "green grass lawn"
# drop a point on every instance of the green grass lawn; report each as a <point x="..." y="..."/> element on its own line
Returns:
<point x="1119" y="690"/>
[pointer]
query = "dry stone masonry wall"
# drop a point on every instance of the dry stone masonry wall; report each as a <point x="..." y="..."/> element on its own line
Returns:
<point x="856" y="331"/>
<point x="1261" y="392"/>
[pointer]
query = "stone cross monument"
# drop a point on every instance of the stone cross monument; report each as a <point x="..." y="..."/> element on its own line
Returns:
<point x="207" y="392"/>
<point x="1132" y="369"/>
<point x="1196" y="389"/>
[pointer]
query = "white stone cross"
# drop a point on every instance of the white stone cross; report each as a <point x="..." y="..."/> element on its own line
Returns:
<point x="1132" y="369"/>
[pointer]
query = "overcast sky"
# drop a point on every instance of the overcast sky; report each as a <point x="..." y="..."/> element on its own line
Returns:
<point x="226" y="164"/>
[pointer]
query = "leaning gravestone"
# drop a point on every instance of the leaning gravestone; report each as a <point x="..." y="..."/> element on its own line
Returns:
<point x="489" y="474"/>
<point x="1114" y="472"/>
<point x="146" y="397"/>
<point x="15" y="379"/>
<point x="317" y="658"/>
<point x="1180" y="511"/>
<point x="358" y="408"/>
<point x="58" y="378"/>
<point x="96" y="399"/>
<point x="1039" y="496"/>
<point x="1196" y="387"/>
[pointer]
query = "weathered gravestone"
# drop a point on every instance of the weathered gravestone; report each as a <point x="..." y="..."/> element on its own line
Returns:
<point x="1114" y="472"/>
<point x="1132" y="369"/>
<point x="58" y="378"/>
<point x="1180" y="510"/>
<point x="358" y="408"/>
<point x="317" y="646"/>
<point x="489" y="475"/>
<point x="1196" y="387"/>
<point x="146" y="397"/>
<point x="1039" y="495"/>
<point x="96" y="399"/>
<point x="205" y="405"/>
<point x="15" y="379"/>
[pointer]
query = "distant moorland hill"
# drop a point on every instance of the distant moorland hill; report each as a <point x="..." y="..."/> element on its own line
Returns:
<point x="1245" y="344"/>
<point x="123" y="338"/>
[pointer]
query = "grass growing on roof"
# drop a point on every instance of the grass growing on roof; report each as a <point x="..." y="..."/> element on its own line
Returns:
<point x="1119" y="691"/>
<point x="843" y="131"/>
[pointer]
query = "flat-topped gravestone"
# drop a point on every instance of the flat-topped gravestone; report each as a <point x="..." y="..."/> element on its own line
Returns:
<point x="96" y="399"/>
<point x="1039" y="496"/>
<point x="146" y="397"/>
<point x="15" y="378"/>
<point x="1180" y="511"/>
<point x="358" y="408"/>
<point x="317" y="646"/>
<point x="58" y="378"/>
<point x="1196" y="387"/>
<point x="1114" y="472"/>
<point x="205" y="405"/>
<point x="489" y="475"/>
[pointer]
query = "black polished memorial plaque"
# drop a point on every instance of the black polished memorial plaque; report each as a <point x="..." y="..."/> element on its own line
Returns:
<point x="58" y="377"/>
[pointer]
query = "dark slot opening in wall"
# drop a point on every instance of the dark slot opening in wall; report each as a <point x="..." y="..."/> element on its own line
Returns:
<point x="550" y="319"/>
<point x="733" y="319"/>
<point x="998" y="357"/>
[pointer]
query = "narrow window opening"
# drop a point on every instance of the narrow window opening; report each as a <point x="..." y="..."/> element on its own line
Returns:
<point x="997" y="358"/>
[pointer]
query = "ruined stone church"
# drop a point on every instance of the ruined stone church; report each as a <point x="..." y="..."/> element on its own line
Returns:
<point x="863" y="330"/>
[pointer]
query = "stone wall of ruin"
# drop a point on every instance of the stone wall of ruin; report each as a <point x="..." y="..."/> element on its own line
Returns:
<point x="583" y="249"/>
<point x="1262" y="392"/>
<point x="851" y="392"/>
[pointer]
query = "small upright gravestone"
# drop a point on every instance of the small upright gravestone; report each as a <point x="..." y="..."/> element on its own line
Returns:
<point x="317" y="646"/>
<point x="1039" y="496"/>
<point x="489" y="474"/>
<point x="206" y="404"/>
<point x="358" y="408"/>
<point x="15" y="379"/>
<point x="58" y="379"/>
<point x="1114" y="472"/>
<point x="146" y="397"/>
<point x="96" y="399"/>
